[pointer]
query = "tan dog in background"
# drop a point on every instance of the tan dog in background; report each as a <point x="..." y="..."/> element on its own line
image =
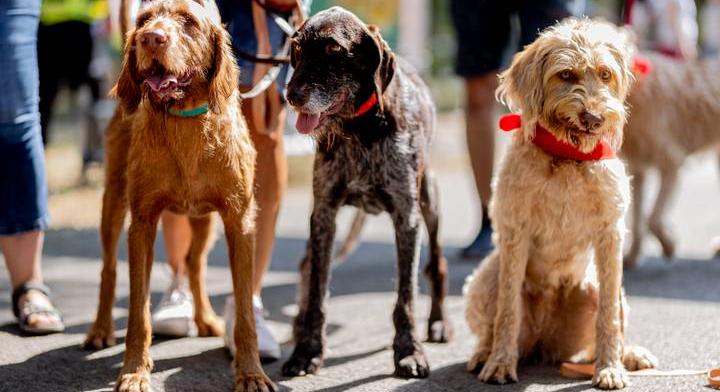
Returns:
<point x="675" y="113"/>
<point x="178" y="141"/>
<point x="559" y="220"/>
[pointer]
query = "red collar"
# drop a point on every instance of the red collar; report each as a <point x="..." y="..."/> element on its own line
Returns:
<point x="367" y="105"/>
<point x="642" y="65"/>
<point x="558" y="148"/>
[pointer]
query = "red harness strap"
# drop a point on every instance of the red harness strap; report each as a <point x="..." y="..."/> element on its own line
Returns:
<point x="367" y="105"/>
<point x="558" y="148"/>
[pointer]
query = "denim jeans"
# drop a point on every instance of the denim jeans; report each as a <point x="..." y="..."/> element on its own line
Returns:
<point x="23" y="185"/>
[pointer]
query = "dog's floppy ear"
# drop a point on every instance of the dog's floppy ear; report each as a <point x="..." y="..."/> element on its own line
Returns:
<point x="127" y="88"/>
<point x="386" y="68"/>
<point x="624" y="51"/>
<point x="521" y="85"/>
<point x="223" y="74"/>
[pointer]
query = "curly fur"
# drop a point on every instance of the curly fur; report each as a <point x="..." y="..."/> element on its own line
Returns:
<point x="192" y="165"/>
<point x="558" y="221"/>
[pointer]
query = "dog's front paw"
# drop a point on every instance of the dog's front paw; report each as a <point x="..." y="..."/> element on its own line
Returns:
<point x="639" y="358"/>
<point x="439" y="331"/>
<point x="412" y="366"/>
<point x="612" y="377"/>
<point x="477" y="361"/>
<point x="133" y="382"/>
<point x="253" y="382"/>
<point x="210" y="325"/>
<point x="99" y="337"/>
<point x="499" y="369"/>
<point x="303" y="362"/>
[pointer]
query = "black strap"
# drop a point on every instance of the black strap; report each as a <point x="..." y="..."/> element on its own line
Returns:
<point x="24" y="289"/>
<point x="262" y="59"/>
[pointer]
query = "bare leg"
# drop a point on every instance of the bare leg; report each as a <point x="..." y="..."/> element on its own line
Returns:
<point x="177" y="235"/>
<point x="23" y="253"/>
<point x="480" y="135"/>
<point x="270" y="185"/>
<point x="480" y="124"/>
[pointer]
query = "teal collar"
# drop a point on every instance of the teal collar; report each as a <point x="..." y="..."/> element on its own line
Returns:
<point x="202" y="109"/>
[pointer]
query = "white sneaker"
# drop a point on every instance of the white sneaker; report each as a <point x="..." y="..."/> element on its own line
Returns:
<point x="268" y="347"/>
<point x="173" y="316"/>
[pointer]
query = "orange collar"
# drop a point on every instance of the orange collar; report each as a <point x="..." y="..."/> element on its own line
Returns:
<point x="547" y="142"/>
<point x="367" y="105"/>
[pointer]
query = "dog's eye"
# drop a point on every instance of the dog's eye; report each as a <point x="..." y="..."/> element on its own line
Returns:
<point x="605" y="75"/>
<point x="567" y="75"/>
<point x="333" y="48"/>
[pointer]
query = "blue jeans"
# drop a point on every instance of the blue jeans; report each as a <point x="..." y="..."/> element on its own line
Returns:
<point x="23" y="186"/>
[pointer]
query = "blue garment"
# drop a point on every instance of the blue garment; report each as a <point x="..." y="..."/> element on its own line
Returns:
<point x="23" y="185"/>
<point x="238" y="16"/>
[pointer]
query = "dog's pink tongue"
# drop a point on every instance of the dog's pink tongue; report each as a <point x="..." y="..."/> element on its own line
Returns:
<point x="306" y="123"/>
<point x="159" y="83"/>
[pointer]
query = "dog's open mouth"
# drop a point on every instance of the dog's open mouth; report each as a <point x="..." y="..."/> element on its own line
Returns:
<point x="167" y="85"/>
<point x="307" y="123"/>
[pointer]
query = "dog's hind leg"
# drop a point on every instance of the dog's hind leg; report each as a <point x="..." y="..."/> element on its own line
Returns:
<point x="638" y="223"/>
<point x="207" y="322"/>
<point x="309" y="325"/>
<point x="480" y="292"/>
<point x="439" y="329"/>
<point x="114" y="208"/>
<point x="410" y="360"/>
<point x="668" y="181"/>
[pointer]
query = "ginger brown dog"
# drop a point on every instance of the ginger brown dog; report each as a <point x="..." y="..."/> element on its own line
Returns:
<point x="559" y="220"/>
<point x="675" y="111"/>
<point x="178" y="141"/>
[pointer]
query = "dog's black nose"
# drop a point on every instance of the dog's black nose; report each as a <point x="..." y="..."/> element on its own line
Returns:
<point x="153" y="39"/>
<point x="296" y="96"/>
<point x="590" y="120"/>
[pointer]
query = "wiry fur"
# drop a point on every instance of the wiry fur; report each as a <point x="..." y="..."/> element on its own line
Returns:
<point x="192" y="165"/>
<point x="376" y="162"/>
<point x="557" y="220"/>
<point x="675" y="112"/>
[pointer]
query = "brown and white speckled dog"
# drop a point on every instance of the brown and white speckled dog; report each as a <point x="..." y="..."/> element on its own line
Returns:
<point x="675" y="111"/>
<point x="178" y="141"/>
<point x="373" y="118"/>
<point x="553" y="284"/>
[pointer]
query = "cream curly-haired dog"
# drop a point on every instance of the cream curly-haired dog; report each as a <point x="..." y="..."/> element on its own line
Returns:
<point x="689" y="94"/>
<point x="558" y="216"/>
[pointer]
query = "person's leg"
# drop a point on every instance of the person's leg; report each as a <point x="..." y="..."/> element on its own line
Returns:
<point x="177" y="236"/>
<point x="270" y="185"/>
<point x="22" y="256"/>
<point x="23" y="186"/>
<point x="482" y="32"/>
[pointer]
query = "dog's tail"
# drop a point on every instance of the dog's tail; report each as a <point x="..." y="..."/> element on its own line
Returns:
<point x="352" y="239"/>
